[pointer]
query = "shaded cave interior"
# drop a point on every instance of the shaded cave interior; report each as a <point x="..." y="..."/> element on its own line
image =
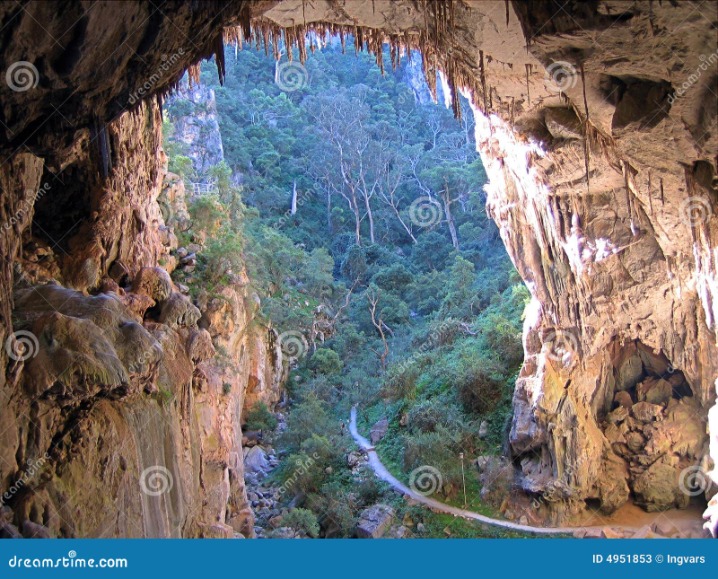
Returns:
<point x="655" y="426"/>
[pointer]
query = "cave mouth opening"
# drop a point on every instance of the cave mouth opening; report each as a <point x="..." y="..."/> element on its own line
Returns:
<point x="366" y="237"/>
<point x="61" y="207"/>
<point x="655" y="427"/>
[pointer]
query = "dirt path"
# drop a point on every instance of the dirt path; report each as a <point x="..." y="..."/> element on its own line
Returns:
<point x="381" y="471"/>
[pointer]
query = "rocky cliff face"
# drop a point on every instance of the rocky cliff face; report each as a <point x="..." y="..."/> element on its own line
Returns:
<point x="120" y="417"/>
<point x="199" y="130"/>
<point x="597" y="124"/>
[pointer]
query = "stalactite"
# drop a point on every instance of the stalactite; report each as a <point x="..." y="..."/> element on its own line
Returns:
<point x="101" y="139"/>
<point x="433" y="41"/>
<point x="528" y="88"/>
<point x="650" y="197"/>
<point x="219" y="58"/>
<point x="482" y="72"/>
<point x="193" y="72"/>
<point x="586" y="140"/>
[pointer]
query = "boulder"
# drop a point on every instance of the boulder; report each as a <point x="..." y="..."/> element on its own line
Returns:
<point x="657" y="488"/>
<point x="255" y="461"/>
<point x="609" y="533"/>
<point x="153" y="282"/>
<point x="378" y="431"/>
<point x="618" y="415"/>
<point x="647" y="412"/>
<point x="353" y="459"/>
<point x="623" y="398"/>
<point x="654" y="390"/>
<point x="374" y="521"/>
<point x="483" y="429"/>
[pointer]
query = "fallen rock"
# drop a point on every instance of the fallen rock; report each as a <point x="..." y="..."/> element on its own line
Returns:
<point x="255" y="461"/>
<point x="483" y="429"/>
<point x="658" y="489"/>
<point x="654" y="390"/>
<point x="624" y="399"/>
<point x="665" y="528"/>
<point x="353" y="459"/>
<point x="609" y="533"/>
<point x="378" y="431"/>
<point x="374" y="521"/>
<point x="617" y="416"/>
<point x="647" y="412"/>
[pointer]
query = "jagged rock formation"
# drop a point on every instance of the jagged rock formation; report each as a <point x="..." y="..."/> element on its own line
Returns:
<point x="116" y="399"/>
<point x="199" y="131"/>
<point x="599" y="139"/>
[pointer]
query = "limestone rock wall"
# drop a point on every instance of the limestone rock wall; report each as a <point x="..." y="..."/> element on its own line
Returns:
<point x="119" y="418"/>
<point x="198" y="130"/>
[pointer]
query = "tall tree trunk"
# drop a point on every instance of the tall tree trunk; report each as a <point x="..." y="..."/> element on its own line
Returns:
<point x="357" y="221"/>
<point x="367" y="204"/>
<point x="294" y="199"/>
<point x="446" y="198"/>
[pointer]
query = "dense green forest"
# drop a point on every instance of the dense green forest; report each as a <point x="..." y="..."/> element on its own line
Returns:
<point x="358" y="211"/>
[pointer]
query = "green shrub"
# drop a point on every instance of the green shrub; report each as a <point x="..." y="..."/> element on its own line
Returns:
<point x="259" y="417"/>
<point x="302" y="520"/>
<point x="325" y="361"/>
<point x="480" y="390"/>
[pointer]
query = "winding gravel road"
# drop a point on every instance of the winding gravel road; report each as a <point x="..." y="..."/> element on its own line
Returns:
<point x="381" y="471"/>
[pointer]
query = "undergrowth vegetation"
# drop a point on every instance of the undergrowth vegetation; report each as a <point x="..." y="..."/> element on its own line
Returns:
<point x="357" y="209"/>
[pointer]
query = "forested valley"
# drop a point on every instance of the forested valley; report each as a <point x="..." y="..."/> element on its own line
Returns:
<point x="356" y="206"/>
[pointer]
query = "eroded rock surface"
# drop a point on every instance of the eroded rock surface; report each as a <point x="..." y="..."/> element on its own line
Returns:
<point x="599" y="140"/>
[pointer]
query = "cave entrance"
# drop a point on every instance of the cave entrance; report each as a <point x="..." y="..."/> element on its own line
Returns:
<point x="61" y="206"/>
<point x="357" y="206"/>
<point x="656" y="426"/>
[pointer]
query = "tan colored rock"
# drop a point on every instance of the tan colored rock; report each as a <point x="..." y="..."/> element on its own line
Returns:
<point x="647" y="412"/>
